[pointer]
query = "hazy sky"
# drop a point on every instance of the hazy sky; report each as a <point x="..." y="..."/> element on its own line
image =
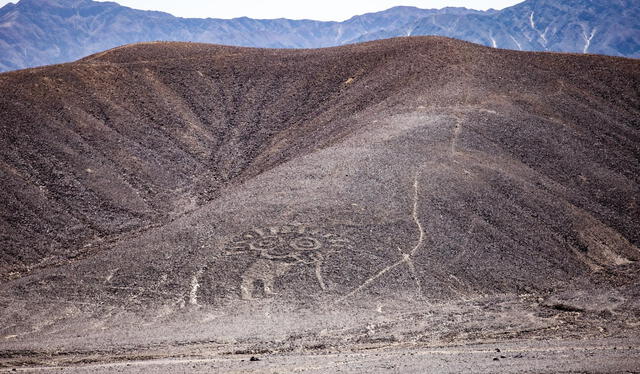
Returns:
<point x="334" y="10"/>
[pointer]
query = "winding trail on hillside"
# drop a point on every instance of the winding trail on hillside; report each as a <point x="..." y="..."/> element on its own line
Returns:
<point x="405" y="257"/>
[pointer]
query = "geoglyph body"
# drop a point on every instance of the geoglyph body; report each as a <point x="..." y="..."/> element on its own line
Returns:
<point x="277" y="249"/>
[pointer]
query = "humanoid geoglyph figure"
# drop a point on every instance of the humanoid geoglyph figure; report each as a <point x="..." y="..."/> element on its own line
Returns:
<point x="279" y="248"/>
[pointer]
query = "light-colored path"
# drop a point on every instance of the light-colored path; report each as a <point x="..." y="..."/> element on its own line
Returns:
<point x="405" y="257"/>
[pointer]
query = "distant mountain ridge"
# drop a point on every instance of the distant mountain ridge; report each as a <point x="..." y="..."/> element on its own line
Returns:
<point x="42" y="32"/>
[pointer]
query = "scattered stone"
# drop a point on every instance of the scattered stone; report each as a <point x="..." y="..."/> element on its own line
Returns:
<point x="496" y="359"/>
<point x="253" y="358"/>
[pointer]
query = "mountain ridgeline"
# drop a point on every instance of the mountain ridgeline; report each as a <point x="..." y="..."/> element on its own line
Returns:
<point x="42" y="32"/>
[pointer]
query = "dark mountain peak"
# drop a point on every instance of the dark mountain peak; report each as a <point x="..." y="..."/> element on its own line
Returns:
<point x="6" y="8"/>
<point x="400" y="9"/>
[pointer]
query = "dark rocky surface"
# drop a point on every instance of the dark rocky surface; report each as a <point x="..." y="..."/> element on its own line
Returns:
<point x="169" y="200"/>
<point x="42" y="32"/>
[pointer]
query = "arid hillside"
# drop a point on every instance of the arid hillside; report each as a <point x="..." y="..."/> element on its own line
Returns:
<point x="191" y="185"/>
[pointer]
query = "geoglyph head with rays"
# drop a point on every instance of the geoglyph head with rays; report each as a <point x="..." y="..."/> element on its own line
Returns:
<point x="289" y="243"/>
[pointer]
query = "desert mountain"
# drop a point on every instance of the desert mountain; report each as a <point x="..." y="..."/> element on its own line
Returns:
<point x="211" y="193"/>
<point x="578" y="26"/>
<point x="42" y="32"/>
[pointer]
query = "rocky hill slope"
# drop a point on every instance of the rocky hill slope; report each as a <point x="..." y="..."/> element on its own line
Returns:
<point x="234" y="195"/>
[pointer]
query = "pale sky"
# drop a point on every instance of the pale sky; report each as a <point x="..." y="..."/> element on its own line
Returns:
<point x="325" y="10"/>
